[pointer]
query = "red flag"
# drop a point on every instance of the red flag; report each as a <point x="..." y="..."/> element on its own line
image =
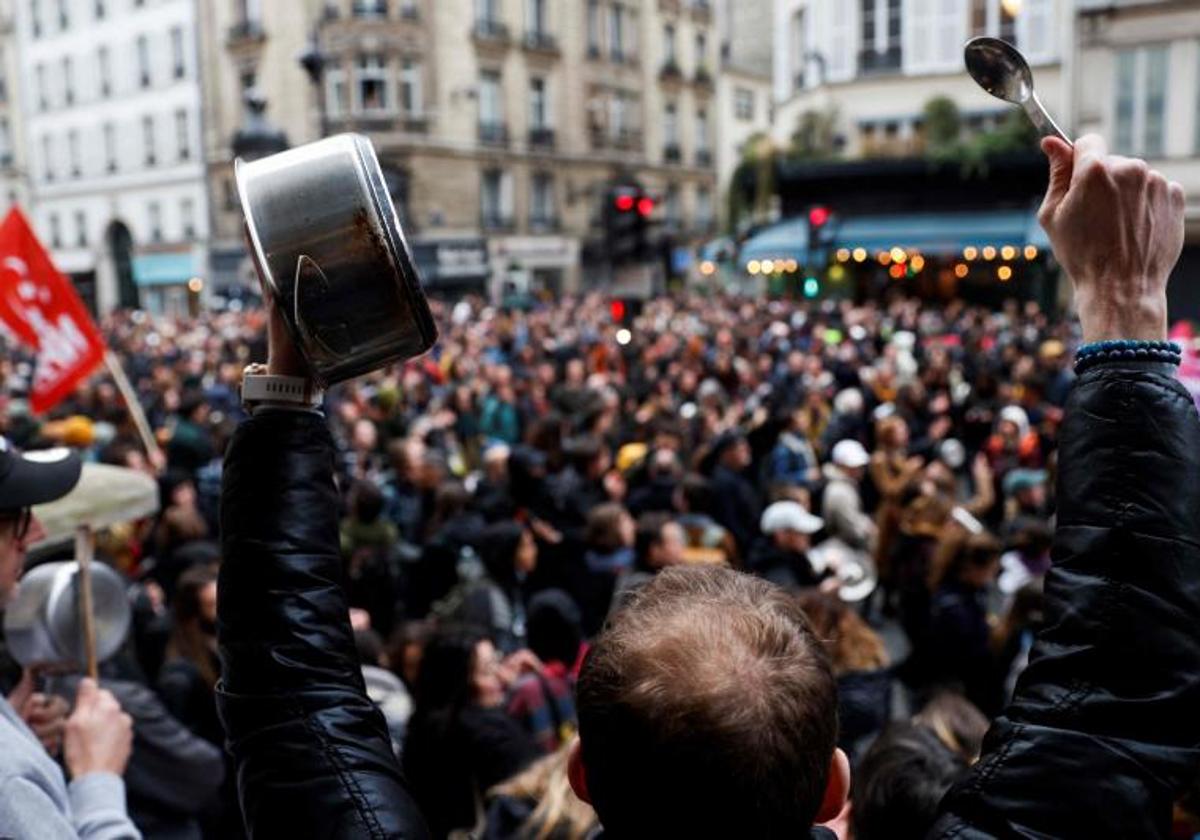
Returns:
<point x="40" y="306"/>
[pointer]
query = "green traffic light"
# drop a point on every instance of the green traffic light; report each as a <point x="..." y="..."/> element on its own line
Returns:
<point x="812" y="287"/>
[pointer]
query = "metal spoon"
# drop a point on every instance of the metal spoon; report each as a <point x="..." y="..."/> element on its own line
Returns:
<point x="1002" y="71"/>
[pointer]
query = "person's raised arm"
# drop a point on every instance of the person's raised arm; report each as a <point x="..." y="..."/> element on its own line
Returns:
<point x="1103" y="731"/>
<point x="313" y="754"/>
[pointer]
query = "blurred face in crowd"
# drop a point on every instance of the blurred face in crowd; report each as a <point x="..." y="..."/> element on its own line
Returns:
<point x="208" y="607"/>
<point x="668" y="551"/>
<point x="1032" y="497"/>
<point x="627" y="530"/>
<point x="485" y="676"/>
<point x="18" y="530"/>
<point x="792" y="541"/>
<point x="525" y="560"/>
<point x="737" y="456"/>
<point x="366" y="436"/>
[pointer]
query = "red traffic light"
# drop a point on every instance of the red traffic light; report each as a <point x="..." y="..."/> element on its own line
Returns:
<point x="624" y="203"/>
<point x="645" y="206"/>
<point x="617" y="309"/>
<point x="818" y="216"/>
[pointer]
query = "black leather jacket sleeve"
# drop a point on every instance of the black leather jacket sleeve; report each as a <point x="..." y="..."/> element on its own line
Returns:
<point x="313" y="754"/>
<point x="1104" y="728"/>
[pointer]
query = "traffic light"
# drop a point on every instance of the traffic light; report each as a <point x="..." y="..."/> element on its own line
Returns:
<point x="624" y="310"/>
<point x="627" y="222"/>
<point x="820" y="232"/>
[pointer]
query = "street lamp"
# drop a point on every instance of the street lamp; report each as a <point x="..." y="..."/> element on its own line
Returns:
<point x="313" y="62"/>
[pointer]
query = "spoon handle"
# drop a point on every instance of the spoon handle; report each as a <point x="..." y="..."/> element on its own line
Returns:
<point x="1042" y="120"/>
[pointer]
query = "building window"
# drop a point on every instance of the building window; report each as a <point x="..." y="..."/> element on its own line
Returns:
<point x="101" y="9"/>
<point x="104" y="72"/>
<point x="48" y="156"/>
<point x="337" y="93"/>
<point x="55" y="231"/>
<point x="881" y="25"/>
<point x="39" y="75"/>
<point x="110" y="147"/>
<point x="187" y="218"/>
<point x="64" y="14"/>
<point x="491" y="100"/>
<point x="154" y="218"/>
<point x="149" y="156"/>
<point x="674" y="209"/>
<point x="3" y="78"/>
<point x="183" y="137"/>
<point x="250" y="12"/>
<point x="704" y="208"/>
<point x="68" y="71"/>
<point x="369" y="8"/>
<point x="670" y="54"/>
<point x="671" y="125"/>
<point x="539" y="105"/>
<point x="81" y="232"/>
<point x="616" y="32"/>
<point x="593" y="27"/>
<point x="541" y="201"/>
<point x="495" y="200"/>
<point x="743" y="104"/>
<point x="6" y="156"/>
<point x="73" y="152"/>
<point x="411" y="91"/>
<point x="35" y="18"/>
<point x="701" y="52"/>
<point x="178" y="62"/>
<point x="143" y="59"/>
<point x="535" y="17"/>
<point x="371" y="85"/>
<point x="1142" y="101"/>
<point x="487" y="13"/>
<point x="702" y="132"/>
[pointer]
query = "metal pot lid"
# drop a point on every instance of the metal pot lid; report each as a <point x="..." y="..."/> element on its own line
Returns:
<point x="42" y="625"/>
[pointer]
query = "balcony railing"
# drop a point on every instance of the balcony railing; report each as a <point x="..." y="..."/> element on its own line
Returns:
<point x="496" y="222"/>
<point x="544" y="223"/>
<point x="703" y="157"/>
<point x="872" y="61"/>
<point x="538" y="40"/>
<point x="493" y="134"/>
<point x="371" y="11"/>
<point x="541" y="138"/>
<point x="625" y="139"/>
<point x="410" y="13"/>
<point x="670" y="72"/>
<point x="672" y="153"/>
<point x="702" y="10"/>
<point x="487" y="29"/>
<point x="246" y="30"/>
<point x="703" y="78"/>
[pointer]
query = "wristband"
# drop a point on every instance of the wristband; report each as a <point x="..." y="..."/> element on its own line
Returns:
<point x="280" y="390"/>
<point x="1127" y="350"/>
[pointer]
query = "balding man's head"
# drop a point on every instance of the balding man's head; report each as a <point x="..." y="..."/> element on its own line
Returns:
<point x="708" y="707"/>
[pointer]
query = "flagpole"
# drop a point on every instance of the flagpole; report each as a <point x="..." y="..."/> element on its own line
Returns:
<point x="135" y="407"/>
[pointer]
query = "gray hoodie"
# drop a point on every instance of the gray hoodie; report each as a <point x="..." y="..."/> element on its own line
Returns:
<point x="36" y="803"/>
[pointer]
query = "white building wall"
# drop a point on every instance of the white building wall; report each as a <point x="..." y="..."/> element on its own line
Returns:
<point x="823" y="40"/>
<point x="126" y="187"/>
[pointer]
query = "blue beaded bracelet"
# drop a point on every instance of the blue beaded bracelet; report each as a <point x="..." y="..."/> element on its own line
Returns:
<point x="1127" y="350"/>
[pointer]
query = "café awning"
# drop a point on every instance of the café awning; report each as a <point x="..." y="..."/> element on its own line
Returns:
<point x="787" y="240"/>
<point x="940" y="234"/>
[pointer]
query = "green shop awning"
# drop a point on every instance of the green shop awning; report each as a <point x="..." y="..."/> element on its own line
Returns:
<point x="940" y="234"/>
<point x="164" y="269"/>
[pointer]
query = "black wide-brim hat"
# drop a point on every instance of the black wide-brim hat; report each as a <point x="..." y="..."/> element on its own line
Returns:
<point x="34" y="478"/>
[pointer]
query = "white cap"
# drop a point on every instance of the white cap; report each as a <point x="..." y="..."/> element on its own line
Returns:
<point x="850" y="454"/>
<point x="790" y="516"/>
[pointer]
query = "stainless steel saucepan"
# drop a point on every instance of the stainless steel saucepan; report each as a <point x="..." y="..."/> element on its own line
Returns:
<point x="325" y="234"/>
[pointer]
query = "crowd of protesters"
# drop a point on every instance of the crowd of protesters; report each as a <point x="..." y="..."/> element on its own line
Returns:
<point x="892" y="464"/>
